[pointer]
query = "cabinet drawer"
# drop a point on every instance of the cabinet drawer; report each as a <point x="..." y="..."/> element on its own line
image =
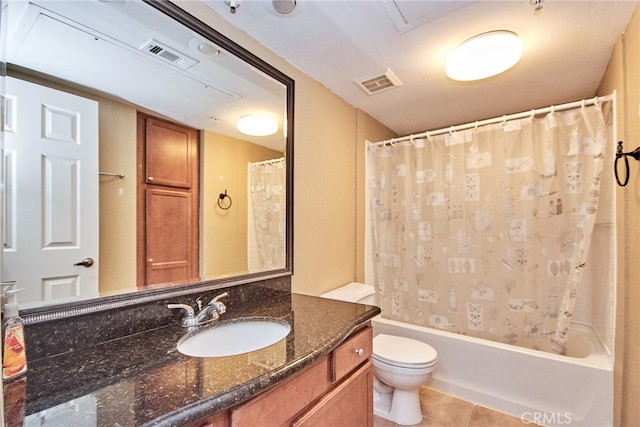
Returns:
<point x="275" y="407"/>
<point x="352" y="353"/>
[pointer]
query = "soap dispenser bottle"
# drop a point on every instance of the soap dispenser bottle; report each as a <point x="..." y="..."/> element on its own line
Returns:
<point x="14" y="360"/>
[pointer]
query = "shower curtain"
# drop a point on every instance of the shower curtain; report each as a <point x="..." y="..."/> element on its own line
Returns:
<point x="266" y="230"/>
<point x="485" y="231"/>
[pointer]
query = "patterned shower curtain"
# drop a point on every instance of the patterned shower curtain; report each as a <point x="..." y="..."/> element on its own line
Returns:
<point x="485" y="231"/>
<point x="267" y="192"/>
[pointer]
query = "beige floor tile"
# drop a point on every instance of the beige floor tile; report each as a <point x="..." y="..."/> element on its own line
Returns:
<point x="440" y="409"/>
<point x="483" y="417"/>
<point x="426" y="422"/>
<point x="381" y="422"/>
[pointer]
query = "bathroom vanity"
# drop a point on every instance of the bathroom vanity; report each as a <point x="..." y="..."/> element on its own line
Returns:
<point x="337" y="390"/>
<point x="320" y="372"/>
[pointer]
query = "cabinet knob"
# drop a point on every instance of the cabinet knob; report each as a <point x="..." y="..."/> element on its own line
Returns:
<point x="150" y="260"/>
<point x="359" y="352"/>
<point x="150" y="178"/>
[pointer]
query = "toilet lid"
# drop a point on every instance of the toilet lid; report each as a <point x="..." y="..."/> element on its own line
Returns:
<point x="400" y="351"/>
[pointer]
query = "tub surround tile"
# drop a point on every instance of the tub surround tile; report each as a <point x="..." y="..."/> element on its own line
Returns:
<point x="141" y="379"/>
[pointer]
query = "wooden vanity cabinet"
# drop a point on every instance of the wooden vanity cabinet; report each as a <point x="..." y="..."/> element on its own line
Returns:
<point x="350" y="403"/>
<point x="335" y="391"/>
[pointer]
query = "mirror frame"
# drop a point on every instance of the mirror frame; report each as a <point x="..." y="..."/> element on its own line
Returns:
<point x="60" y="311"/>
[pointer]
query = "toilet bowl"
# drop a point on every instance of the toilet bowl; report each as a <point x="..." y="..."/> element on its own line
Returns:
<point x="400" y="365"/>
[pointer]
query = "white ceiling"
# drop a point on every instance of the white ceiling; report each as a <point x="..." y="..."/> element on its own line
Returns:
<point x="103" y="46"/>
<point x="567" y="46"/>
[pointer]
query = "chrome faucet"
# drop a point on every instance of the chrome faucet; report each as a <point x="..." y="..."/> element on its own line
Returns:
<point x="210" y="312"/>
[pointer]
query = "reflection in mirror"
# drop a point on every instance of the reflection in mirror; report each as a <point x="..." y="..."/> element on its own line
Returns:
<point x="136" y="176"/>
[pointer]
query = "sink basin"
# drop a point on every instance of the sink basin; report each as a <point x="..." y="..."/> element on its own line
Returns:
<point x="234" y="337"/>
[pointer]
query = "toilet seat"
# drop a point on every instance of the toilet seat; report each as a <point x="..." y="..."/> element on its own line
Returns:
<point x="403" y="352"/>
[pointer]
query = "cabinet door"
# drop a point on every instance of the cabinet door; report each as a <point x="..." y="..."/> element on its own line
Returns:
<point x="168" y="202"/>
<point x="169" y="237"/>
<point x="171" y="151"/>
<point x="275" y="407"/>
<point x="349" y="404"/>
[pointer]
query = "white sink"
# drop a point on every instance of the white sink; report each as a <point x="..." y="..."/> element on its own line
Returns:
<point x="234" y="337"/>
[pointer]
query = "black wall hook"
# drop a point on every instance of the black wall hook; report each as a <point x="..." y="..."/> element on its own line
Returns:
<point x="221" y="199"/>
<point x="619" y="154"/>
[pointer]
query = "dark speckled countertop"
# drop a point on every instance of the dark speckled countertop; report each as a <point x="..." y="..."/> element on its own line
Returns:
<point x="143" y="380"/>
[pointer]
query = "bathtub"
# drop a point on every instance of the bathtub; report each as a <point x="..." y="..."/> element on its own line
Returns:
<point x="538" y="387"/>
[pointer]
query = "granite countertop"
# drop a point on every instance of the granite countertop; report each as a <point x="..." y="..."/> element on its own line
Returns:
<point x="143" y="380"/>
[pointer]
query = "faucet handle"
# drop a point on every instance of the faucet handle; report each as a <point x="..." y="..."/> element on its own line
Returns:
<point x="219" y="305"/>
<point x="222" y="295"/>
<point x="188" y="310"/>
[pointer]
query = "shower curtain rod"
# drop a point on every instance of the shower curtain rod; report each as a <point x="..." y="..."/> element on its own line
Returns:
<point x="568" y="106"/>
<point x="270" y="161"/>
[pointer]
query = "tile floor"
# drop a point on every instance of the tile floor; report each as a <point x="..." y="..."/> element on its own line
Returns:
<point x="442" y="410"/>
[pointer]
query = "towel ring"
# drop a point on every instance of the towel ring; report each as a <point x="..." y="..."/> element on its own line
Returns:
<point x="620" y="154"/>
<point x="221" y="199"/>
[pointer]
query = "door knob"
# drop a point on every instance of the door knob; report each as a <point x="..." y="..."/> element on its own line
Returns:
<point x="87" y="262"/>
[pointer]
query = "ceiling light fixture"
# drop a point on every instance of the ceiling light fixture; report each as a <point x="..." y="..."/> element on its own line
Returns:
<point x="208" y="49"/>
<point x="484" y="55"/>
<point x="256" y="125"/>
<point x="283" y="7"/>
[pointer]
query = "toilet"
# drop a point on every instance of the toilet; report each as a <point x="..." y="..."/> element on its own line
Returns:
<point x="400" y="365"/>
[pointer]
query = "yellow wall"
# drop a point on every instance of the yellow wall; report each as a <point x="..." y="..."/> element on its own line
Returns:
<point x="623" y="76"/>
<point x="224" y="232"/>
<point x="328" y="134"/>
<point x="117" y="257"/>
<point x="117" y="272"/>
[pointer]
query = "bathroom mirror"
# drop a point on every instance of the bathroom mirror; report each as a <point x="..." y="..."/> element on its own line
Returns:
<point x="140" y="60"/>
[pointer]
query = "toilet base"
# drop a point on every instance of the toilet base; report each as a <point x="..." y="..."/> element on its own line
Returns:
<point x="400" y="406"/>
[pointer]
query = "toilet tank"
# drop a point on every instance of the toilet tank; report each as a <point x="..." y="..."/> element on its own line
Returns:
<point x="353" y="292"/>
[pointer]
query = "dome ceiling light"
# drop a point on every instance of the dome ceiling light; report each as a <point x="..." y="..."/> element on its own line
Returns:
<point x="284" y="7"/>
<point x="256" y="125"/>
<point x="484" y="55"/>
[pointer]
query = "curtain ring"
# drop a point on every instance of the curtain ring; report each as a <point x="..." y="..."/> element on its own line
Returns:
<point x="597" y="103"/>
<point x="221" y="199"/>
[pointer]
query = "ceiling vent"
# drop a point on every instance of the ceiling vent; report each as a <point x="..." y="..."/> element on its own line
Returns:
<point x="169" y="55"/>
<point x="377" y="83"/>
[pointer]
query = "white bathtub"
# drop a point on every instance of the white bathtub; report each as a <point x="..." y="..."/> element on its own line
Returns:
<point x="535" y="386"/>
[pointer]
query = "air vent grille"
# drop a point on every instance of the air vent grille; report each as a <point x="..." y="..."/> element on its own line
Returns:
<point x="167" y="54"/>
<point x="378" y="82"/>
